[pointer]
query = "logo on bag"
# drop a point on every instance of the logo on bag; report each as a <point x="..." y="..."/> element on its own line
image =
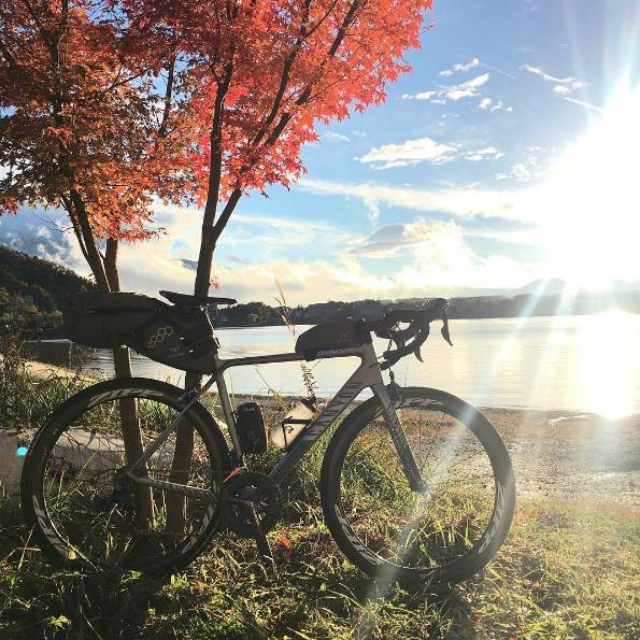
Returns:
<point x="159" y="336"/>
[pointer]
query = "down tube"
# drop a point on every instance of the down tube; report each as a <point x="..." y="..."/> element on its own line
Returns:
<point x="366" y="375"/>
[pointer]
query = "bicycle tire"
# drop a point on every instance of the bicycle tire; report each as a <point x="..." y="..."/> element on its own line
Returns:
<point x="85" y="515"/>
<point x="444" y="535"/>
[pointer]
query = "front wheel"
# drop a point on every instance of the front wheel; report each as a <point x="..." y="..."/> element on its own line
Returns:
<point x="443" y="534"/>
<point x="88" y="512"/>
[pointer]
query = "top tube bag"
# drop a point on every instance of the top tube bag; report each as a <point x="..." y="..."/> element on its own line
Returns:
<point x="180" y="338"/>
<point x="330" y="336"/>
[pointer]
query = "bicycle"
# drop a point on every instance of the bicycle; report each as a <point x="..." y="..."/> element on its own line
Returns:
<point x="415" y="484"/>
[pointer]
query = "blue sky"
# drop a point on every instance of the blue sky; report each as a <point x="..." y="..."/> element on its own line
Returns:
<point x="509" y="154"/>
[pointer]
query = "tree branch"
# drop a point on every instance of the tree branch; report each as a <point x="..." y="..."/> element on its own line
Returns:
<point x="92" y="254"/>
<point x="305" y="96"/>
<point x="208" y="239"/>
<point x="284" y="77"/>
<point x="8" y="56"/>
<point x="68" y="205"/>
<point x="168" y="97"/>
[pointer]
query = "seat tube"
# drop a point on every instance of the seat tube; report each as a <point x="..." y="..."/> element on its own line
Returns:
<point x="407" y="459"/>
<point x="225" y="402"/>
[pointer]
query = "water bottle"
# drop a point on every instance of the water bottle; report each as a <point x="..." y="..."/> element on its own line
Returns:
<point x="293" y="424"/>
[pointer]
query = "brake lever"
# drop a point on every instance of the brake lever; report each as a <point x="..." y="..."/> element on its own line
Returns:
<point x="445" y="328"/>
<point x="417" y="353"/>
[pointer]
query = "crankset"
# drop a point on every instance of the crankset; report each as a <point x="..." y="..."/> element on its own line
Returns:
<point x="248" y="491"/>
<point x="250" y="506"/>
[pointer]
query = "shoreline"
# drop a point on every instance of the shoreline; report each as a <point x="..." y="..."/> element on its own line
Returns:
<point x="558" y="455"/>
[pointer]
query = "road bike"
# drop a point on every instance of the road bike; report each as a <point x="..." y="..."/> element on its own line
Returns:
<point x="415" y="483"/>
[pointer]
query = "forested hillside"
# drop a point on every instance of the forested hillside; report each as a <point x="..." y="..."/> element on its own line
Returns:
<point x="32" y="290"/>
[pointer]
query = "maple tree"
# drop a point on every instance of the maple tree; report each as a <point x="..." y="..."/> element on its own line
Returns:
<point x="260" y="76"/>
<point x="89" y="130"/>
<point x="85" y="125"/>
<point x="78" y="128"/>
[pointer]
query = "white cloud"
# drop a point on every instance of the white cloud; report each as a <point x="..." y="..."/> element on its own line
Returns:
<point x="488" y="153"/>
<point x="549" y="78"/>
<point x="516" y="204"/>
<point x="529" y="168"/>
<point x="487" y="104"/>
<point x="563" y="87"/>
<point x="410" y="152"/>
<point x="467" y="89"/>
<point x="440" y="258"/>
<point x="441" y="95"/>
<point x="330" y="136"/>
<point x="392" y="240"/>
<point x="460" y="68"/>
<point x="519" y="172"/>
<point x="582" y="103"/>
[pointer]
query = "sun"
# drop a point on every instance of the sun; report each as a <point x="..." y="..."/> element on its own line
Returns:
<point x="590" y="204"/>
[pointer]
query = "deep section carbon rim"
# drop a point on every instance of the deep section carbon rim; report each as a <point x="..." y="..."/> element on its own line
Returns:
<point x="85" y="508"/>
<point x="446" y="533"/>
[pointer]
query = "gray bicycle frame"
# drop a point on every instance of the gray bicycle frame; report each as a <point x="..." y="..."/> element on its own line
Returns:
<point x="367" y="375"/>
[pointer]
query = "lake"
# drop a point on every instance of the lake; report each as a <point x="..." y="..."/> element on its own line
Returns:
<point x="578" y="363"/>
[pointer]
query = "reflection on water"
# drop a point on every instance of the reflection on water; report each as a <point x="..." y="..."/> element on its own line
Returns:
<point x="583" y="363"/>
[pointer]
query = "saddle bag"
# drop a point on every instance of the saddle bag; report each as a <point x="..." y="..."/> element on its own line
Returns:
<point x="180" y="338"/>
<point x="106" y="320"/>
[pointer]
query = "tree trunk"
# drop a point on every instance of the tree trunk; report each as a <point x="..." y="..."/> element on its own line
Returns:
<point x="132" y="436"/>
<point x="176" y="505"/>
<point x="131" y="432"/>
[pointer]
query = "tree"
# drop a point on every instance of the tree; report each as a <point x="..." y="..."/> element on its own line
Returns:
<point x="260" y="76"/>
<point x="87" y="127"/>
<point x="79" y="93"/>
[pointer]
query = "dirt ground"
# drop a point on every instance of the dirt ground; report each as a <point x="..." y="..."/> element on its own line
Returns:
<point x="573" y="457"/>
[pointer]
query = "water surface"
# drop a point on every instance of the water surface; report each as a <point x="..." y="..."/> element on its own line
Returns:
<point x="579" y="363"/>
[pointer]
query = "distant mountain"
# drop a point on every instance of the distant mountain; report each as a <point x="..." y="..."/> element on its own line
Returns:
<point x="548" y="287"/>
<point x="32" y="291"/>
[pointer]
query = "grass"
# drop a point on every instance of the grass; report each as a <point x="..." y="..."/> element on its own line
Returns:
<point x="567" y="571"/>
<point x="26" y="403"/>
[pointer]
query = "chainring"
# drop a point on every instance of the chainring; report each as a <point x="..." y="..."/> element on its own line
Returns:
<point x="246" y="490"/>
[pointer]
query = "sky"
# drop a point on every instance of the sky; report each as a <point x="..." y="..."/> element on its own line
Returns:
<point x="508" y="155"/>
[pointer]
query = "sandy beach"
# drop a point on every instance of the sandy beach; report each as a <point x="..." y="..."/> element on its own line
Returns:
<point x="577" y="457"/>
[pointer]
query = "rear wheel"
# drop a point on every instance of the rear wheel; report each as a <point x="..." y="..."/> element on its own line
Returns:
<point x="447" y="532"/>
<point x="84" y="508"/>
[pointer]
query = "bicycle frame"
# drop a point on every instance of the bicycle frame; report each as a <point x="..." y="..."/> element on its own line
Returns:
<point x="368" y="375"/>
